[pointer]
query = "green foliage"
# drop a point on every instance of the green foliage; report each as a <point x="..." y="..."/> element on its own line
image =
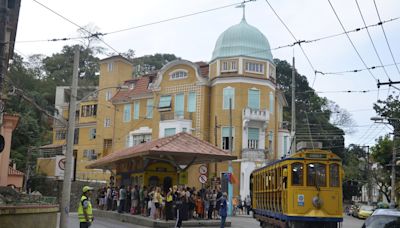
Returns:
<point x="313" y="113"/>
<point x="382" y="151"/>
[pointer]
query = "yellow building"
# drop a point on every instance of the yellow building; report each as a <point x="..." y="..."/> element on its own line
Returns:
<point x="193" y="97"/>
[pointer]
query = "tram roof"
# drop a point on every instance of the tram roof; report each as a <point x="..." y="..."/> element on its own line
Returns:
<point x="181" y="149"/>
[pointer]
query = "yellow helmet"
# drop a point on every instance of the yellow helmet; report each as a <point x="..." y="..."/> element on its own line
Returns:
<point x="87" y="188"/>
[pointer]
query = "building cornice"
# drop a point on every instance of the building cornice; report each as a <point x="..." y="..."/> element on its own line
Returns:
<point x="243" y="79"/>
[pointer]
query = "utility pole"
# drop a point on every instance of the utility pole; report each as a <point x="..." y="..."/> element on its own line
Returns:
<point x="293" y="127"/>
<point x="230" y="169"/>
<point x="393" y="177"/>
<point x="65" y="202"/>
<point x="216" y="143"/>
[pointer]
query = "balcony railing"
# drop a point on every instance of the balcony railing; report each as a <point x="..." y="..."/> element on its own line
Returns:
<point x="255" y="114"/>
<point x="253" y="154"/>
<point x="176" y="116"/>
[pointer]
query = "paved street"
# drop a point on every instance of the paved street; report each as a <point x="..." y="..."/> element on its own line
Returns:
<point x="237" y="222"/>
<point x="351" y="222"/>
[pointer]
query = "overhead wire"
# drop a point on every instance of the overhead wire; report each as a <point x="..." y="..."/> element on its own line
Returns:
<point x="296" y="41"/>
<point x="387" y="41"/>
<point x="372" y="42"/>
<point x="95" y="35"/>
<point x="351" y="42"/>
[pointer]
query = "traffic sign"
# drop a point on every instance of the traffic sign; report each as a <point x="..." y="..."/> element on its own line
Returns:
<point x="203" y="169"/>
<point x="203" y="178"/>
<point x="61" y="164"/>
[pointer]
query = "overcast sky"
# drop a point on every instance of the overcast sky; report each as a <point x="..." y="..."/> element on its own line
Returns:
<point x="193" y="38"/>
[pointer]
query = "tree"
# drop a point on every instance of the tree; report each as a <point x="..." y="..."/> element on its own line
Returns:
<point x="313" y="113"/>
<point x="382" y="155"/>
<point x="354" y="165"/>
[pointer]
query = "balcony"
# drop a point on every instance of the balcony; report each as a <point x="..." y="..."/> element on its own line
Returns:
<point x="176" y="116"/>
<point x="250" y="114"/>
<point x="253" y="154"/>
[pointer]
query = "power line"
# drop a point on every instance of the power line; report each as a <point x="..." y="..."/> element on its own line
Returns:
<point x="355" y="70"/>
<point x="95" y="35"/>
<point x="352" y="44"/>
<point x="370" y="38"/>
<point x="296" y="40"/>
<point x="387" y="42"/>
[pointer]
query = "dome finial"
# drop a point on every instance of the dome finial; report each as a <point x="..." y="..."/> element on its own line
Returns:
<point x="243" y="6"/>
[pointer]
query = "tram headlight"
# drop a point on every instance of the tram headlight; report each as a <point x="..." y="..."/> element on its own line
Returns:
<point x="317" y="202"/>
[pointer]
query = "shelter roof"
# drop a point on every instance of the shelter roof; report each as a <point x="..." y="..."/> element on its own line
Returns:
<point x="181" y="149"/>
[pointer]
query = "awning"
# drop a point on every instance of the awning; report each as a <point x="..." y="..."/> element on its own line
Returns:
<point x="180" y="149"/>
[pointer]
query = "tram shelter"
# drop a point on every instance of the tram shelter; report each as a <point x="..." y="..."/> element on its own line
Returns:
<point x="161" y="162"/>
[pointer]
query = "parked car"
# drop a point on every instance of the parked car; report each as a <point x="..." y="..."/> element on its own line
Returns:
<point x="365" y="211"/>
<point x="383" y="218"/>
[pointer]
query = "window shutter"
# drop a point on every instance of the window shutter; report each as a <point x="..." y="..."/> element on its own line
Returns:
<point x="136" y="110"/>
<point x="253" y="134"/>
<point x="179" y="104"/>
<point x="192" y="102"/>
<point x="254" y="99"/>
<point x="165" y="102"/>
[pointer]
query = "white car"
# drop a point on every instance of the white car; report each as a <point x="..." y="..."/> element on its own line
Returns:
<point x="383" y="218"/>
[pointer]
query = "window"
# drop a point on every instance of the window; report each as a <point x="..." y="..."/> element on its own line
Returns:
<point x="178" y="75"/>
<point x="254" y="98"/>
<point x="165" y="102"/>
<point x="192" y="102"/>
<point x="108" y="95"/>
<point x="334" y="175"/>
<point x="107" y="122"/>
<point x="297" y="173"/>
<point x="285" y="141"/>
<point x="136" y="110"/>
<point x="138" y="139"/>
<point x="228" y="94"/>
<point x="60" y="134"/>
<point x="225" y="138"/>
<point x="271" y="141"/>
<point x="92" y="133"/>
<point x="110" y="67"/>
<point x="90" y="154"/>
<point x="149" y="108"/>
<point x="316" y="175"/>
<point x="89" y="110"/>
<point x="255" y="67"/>
<point x="107" y="146"/>
<point x="127" y="112"/>
<point x="128" y="141"/>
<point x="229" y="66"/>
<point x="169" y="131"/>
<point x="252" y="138"/>
<point x="271" y="102"/>
<point x="179" y="104"/>
<point x="184" y="129"/>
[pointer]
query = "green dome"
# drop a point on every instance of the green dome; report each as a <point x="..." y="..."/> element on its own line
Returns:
<point x="242" y="40"/>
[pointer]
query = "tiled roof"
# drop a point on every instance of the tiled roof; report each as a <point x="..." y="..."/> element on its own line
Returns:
<point x="183" y="148"/>
<point x="141" y="87"/>
<point x="204" y="69"/>
<point x="14" y="172"/>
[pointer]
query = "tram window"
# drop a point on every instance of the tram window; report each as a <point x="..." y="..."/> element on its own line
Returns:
<point x="334" y="175"/>
<point x="284" y="174"/>
<point x="316" y="174"/>
<point x="297" y="174"/>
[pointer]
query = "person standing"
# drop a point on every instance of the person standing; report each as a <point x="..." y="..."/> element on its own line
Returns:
<point x="223" y="210"/>
<point x="180" y="210"/>
<point x="85" y="212"/>
<point x="128" y="200"/>
<point x="248" y="204"/>
<point x="135" y="200"/>
<point x="122" y="199"/>
<point x="169" y="214"/>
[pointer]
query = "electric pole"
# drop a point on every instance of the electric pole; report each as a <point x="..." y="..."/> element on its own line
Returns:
<point x="393" y="177"/>
<point x="230" y="169"/>
<point x="216" y="143"/>
<point x="293" y="127"/>
<point x="65" y="202"/>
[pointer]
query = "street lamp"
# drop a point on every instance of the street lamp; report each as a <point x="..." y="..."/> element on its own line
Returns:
<point x="379" y="119"/>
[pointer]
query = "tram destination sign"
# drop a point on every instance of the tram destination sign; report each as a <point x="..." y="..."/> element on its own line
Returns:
<point x="310" y="155"/>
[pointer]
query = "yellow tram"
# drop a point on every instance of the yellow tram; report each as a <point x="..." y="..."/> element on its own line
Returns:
<point x="302" y="190"/>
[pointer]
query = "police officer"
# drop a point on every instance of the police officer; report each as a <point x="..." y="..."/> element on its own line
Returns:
<point x="85" y="212"/>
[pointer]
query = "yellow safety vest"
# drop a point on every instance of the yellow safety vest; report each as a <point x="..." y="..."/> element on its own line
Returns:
<point x="89" y="210"/>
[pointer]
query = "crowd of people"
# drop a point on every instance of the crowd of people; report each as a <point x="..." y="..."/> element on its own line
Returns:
<point x="179" y="202"/>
